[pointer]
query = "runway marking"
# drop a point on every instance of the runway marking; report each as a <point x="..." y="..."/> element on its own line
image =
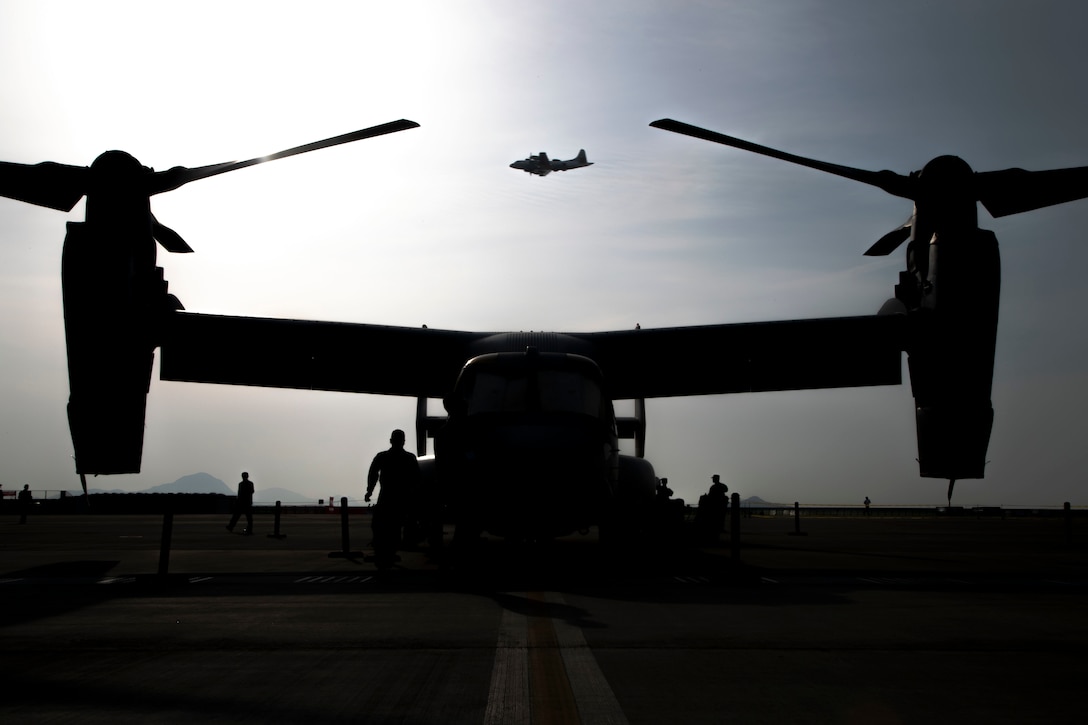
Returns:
<point x="1064" y="582"/>
<point x="199" y="579"/>
<point x="508" y="695"/>
<point x="116" y="580"/>
<point x="333" y="579"/>
<point x="692" y="579"/>
<point x="912" y="581"/>
<point x="544" y="672"/>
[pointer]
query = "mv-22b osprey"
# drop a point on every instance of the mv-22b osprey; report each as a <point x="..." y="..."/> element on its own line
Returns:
<point x="541" y="165"/>
<point x="530" y="442"/>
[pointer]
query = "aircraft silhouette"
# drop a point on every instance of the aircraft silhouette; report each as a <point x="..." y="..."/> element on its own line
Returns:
<point x="530" y="442"/>
<point x="950" y="289"/>
<point x="541" y="165"/>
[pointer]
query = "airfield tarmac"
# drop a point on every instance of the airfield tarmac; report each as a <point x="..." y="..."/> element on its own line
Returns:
<point x="857" y="620"/>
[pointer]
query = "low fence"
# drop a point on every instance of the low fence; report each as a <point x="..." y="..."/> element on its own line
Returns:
<point x="51" y="501"/>
<point x="61" y="502"/>
<point x="901" y="512"/>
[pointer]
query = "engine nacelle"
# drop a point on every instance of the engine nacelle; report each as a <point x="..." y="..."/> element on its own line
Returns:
<point x="112" y="311"/>
<point x="637" y="483"/>
<point x="954" y="312"/>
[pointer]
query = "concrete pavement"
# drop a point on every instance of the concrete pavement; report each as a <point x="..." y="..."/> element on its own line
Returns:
<point x="859" y="620"/>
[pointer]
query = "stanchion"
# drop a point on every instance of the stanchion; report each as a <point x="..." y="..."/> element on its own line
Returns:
<point x="797" y="520"/>
<point x="734" y="527"/>
<point x="276" y="534"/>
<point x="164" y="544"/>
<point x="345" y="544"/>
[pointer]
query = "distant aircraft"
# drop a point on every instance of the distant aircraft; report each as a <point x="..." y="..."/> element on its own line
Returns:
<point x="541" y="165"/>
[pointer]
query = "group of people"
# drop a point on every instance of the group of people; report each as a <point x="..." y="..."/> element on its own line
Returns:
<point x="397" y="513"/>
<point x="709" y="516"/>
<point x="398" y="472"/>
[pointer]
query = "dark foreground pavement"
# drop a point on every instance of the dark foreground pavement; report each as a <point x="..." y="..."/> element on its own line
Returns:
<point x="856" y="621"/>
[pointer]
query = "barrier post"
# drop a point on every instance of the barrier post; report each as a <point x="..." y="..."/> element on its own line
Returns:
<point x="344" y="535"/>
<point x="345" y="550"/>
<point x="164" y="543"/>
<point x="797" y="520"/>
<point x="276" y="531"/>
<point x="734" y="527"/>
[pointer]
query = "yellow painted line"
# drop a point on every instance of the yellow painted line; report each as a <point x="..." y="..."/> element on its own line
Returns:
<point x="544" y="673"/>
<point x="549" y="689"/>
<point x="597" y="702"/>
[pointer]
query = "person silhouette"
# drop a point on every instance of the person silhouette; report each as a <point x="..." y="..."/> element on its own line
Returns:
<point x="711" y="512"/>
<point x="664" y="493"/>
<point x="397" y="471"/>
<point x="243" y="505"/>
<point x="26" y="500"/>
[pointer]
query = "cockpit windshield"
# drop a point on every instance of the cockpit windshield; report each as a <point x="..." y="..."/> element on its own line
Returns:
<point x="537" y="390"/>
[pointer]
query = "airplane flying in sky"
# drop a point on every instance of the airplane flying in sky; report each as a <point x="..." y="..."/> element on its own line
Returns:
<point x="541" y="165"/>
<point x="529" y="443"/>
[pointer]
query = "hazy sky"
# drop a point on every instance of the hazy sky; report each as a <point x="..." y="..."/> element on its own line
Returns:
<point x="431" y="226"/>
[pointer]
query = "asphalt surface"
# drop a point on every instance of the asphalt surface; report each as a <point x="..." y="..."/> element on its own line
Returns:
<point x="855" y="620"/>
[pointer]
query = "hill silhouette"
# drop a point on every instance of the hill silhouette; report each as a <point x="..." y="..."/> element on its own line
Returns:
<point x="207" y="483"/>
<point x="193" y="483"/>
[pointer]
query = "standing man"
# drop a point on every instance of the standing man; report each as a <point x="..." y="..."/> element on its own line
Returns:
<point x="713" y="507"/>
<point x="26" y="500"/>
<point x="398" y="472"/>
<point x="243" y="505"/>
<point x="719" y="498"/>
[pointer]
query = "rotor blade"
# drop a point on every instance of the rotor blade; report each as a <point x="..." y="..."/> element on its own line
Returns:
<point x="179" y="175"/>
<point x="890" y="241"/>
<point x="170" y="240"/>
<point x="891" y="182"/>
<point x="52" y="185"/>
<point x="1015" y="190"/>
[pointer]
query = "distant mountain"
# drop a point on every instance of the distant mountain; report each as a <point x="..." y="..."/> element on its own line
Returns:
<point x="193" y="483"/>
<point x="272" y="495"/>
<point x="758" y="502"/>
<point x="206" y="483"/>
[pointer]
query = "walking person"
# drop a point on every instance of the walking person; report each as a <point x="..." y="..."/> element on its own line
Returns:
<point x="243" y="505"/>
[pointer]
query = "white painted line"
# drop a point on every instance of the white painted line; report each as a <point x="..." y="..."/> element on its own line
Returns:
<point x="596" y="701"/>
<point x="508" y="695"/>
